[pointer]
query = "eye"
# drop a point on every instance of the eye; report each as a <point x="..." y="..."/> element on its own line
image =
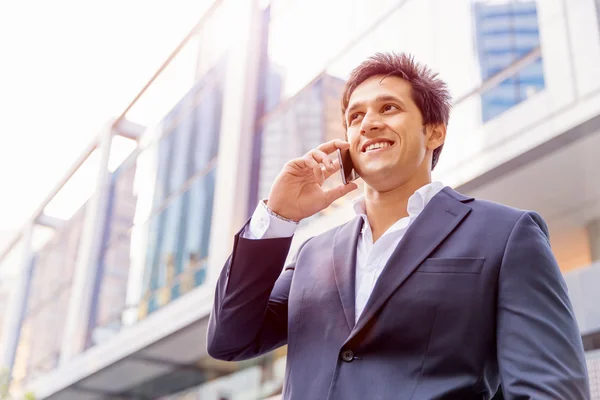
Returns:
<point x="354" y="117"/>
<point x="389" y="107"/>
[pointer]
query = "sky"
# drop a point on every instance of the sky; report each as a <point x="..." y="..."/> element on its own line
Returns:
<point x="67" y="67"/>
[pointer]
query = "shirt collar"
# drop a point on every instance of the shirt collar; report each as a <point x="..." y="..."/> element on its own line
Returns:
<point x="416" y="202"/>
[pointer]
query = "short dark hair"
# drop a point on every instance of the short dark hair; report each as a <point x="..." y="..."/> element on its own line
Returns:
<point x="429" y="92"/>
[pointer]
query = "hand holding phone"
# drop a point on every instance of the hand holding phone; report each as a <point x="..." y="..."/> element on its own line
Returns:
<point x="298" y="191"/>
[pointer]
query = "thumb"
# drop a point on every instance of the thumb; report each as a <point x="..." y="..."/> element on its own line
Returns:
<point x="340" y="191"/>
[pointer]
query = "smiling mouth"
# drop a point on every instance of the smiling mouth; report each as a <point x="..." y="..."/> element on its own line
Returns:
<point x="375" y="147"/>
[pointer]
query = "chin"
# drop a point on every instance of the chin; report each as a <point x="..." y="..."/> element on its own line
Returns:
<point x="382" y="187"/>
<point x="382" y="179"/>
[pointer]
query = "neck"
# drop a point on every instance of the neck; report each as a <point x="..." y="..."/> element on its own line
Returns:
<point x="385" y="208"/>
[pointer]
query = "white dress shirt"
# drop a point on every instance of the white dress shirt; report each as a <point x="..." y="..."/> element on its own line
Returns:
<point x="370" y="257"/>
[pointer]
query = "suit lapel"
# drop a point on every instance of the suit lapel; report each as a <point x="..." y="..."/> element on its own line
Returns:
<point x="439" y="218"/>
<point x="344" y="261"/>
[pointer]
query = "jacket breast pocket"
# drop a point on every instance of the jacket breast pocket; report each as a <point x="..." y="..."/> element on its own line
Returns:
<point x="454" y="265"/>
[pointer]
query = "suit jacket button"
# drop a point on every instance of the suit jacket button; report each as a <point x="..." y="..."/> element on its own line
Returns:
<point x="347" y="355"/>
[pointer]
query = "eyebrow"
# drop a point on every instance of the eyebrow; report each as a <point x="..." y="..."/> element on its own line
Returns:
<point x="379" y="99"/>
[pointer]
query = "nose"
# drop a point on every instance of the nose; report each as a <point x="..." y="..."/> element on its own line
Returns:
<point x="370" y="124"/>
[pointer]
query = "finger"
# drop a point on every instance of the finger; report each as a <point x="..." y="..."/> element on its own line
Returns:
<point x="322" y="158"/>
<point x="333" y="145"/>
<point x="335" y="168"/>
<point x="340" y="191"/>
<point x="309" y="161"/>
<point x="319" y="173"/>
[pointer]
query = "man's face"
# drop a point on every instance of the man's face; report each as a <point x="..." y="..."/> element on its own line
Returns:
<point x="388" y="142"/>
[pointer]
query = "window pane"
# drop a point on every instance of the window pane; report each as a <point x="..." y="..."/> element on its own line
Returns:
<point x="164" y="148"/>
<point x="506" y="32"/>
<point x="531" y="80"/>
<point x="152" y="252"/>
<point x="187" y="140"/>
<point x="48" y="301"/>
<point x="115" y="261"/>
<point x="181" y="142"/>
<point x="178" y="245"/>
<point x="167" y="260"/>
<point x="199" y="215"/>
<point x="207" y="126"/>
<point x="291" y="132"/>
<point x="500" y="98"/>
<point x="301" y="124"/>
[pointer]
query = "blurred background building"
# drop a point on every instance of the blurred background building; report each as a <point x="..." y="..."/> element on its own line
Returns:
<point x="111" y="301"/>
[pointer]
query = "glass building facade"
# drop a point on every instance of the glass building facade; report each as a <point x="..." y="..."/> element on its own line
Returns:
<point x="159" y="216"/>
<point x="155" y="238"/>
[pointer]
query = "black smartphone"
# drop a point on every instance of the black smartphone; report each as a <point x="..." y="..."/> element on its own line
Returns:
<point x="346" y="166"/>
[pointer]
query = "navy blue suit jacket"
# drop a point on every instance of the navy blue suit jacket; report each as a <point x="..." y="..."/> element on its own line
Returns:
<point x="472" y="298"/>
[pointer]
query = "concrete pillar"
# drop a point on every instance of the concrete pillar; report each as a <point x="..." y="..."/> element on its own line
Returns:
<point x="86" y="266"/>
<point x="593" y="230"/>
<point x="17" y="304"/>
<point x="237" y="131"/>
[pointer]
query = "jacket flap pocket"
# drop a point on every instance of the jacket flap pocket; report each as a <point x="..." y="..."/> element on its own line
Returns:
<point x="456" y="265"/>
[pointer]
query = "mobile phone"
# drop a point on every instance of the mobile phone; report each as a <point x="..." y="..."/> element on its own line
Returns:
<point x="346" y="166"/>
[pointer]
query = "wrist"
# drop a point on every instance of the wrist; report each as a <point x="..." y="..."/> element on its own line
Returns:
<point x="275" y="213"/>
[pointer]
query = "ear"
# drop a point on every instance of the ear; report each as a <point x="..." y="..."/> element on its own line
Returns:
<point x="436" y="136"/>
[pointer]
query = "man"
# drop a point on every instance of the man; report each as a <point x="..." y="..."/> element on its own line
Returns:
<point x="426" y="294"/>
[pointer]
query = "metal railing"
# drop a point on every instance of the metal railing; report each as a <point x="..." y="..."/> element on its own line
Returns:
<point x="120" y="126"/>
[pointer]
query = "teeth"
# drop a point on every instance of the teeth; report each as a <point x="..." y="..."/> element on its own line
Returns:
<point x="378" y="145"/>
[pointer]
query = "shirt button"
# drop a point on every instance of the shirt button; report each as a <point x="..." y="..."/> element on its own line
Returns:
<point x="347" y="355"/>
<point x="262" y="223"/>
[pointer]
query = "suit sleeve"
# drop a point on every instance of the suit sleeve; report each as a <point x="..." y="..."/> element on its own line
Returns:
<point x="249" y="315"/>
<point x="540" y="351"/>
